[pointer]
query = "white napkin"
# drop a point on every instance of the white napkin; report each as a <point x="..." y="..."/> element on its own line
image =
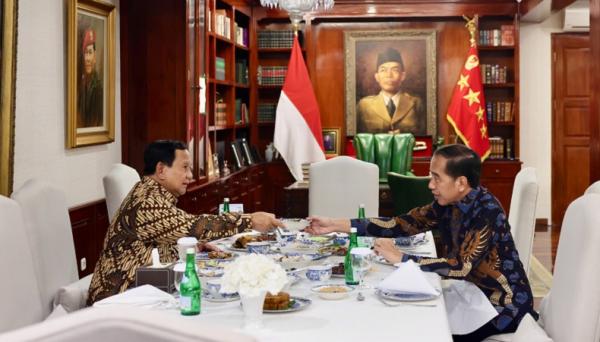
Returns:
<point x="145" y="296"/>
<point x="467" y="306"/>
<point x="408" y="278"/>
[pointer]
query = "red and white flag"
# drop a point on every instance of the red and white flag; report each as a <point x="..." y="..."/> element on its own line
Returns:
<point x="467" y="108"/>
<point x="298" y="135"/>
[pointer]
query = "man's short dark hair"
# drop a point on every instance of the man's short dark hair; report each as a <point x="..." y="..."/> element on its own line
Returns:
<point x="161" y="151"/>
<point x="461" y="161"/>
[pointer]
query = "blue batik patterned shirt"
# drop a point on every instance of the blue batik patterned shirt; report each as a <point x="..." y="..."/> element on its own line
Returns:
<point x="476" y="246"/>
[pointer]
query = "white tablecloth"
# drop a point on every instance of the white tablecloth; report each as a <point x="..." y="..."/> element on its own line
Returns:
<point x="342" y="320"/>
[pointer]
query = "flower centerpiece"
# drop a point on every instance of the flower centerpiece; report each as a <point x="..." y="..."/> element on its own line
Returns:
<point x="252" y="276"/>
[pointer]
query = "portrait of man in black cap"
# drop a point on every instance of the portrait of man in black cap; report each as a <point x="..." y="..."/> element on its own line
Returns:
<point x="392" y="109"/>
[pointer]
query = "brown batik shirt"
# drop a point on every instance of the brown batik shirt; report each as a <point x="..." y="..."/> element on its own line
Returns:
<point x="147" y="219"/>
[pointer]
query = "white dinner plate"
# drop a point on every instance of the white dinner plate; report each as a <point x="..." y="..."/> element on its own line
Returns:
<point x="299" y="304"/>
<point x="405" y="297"/>
<point x="220" y="299"/>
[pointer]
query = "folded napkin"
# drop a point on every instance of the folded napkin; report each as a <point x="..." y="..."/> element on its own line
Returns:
<point x="467" y="306"/>
<point x="408" y="278"/>
<point x="145" y="296"/>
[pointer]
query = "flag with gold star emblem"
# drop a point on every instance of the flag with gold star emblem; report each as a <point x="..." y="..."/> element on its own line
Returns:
<point x="467" y="108"/>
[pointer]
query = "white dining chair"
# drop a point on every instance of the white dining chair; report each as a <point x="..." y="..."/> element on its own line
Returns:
<point x="571" y="311"/>
<point x="117" y="184"/>
<point x="124" y="324"/>
<point x="20" y="302"/>
<point x="339" y="185"/>
<point x="48" y="229"/>
<point x="593" y="189"/>
<point x="522" y="213"/>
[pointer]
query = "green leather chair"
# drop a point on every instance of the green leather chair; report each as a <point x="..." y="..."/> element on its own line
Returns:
<point x="391" y="152"/>
<point x="409" y="192"/>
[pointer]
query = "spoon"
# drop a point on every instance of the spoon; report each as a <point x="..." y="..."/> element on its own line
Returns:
<point x="360" y="297"/>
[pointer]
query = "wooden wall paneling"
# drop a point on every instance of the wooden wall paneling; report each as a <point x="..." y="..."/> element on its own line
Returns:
<point x="558" y="5"/>
<point x="89" y="223"/>
<point x="595" y="91"/>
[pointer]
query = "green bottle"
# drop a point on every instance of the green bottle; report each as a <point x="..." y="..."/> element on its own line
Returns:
<point x="225" y="205"/>
<point x="348" y="273"/>
<point x="361" y="212"/>
<point x="189" y="288"/>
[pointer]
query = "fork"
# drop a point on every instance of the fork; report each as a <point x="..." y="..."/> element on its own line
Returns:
<point x="405" y="303"/>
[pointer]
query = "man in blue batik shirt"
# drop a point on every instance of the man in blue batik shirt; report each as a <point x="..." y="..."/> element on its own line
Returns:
<point x="476" y="241"/>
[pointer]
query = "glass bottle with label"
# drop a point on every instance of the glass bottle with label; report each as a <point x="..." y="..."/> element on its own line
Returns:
<point x="349" y="275"/>
<point x="225" y="205"/>
<point x="190" y="289"/>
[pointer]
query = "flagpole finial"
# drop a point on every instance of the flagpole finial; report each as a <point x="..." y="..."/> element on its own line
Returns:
<point x="471" y="25"/>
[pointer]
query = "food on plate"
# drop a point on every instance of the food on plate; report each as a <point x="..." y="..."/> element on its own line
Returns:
<point x="333" y="289"/>
<point x="339" y="269"/>
<point x="334" y="250"/>
<point x="279" y="301"/>
<point x="219" y="255"/>
<point x="243" y="241"/>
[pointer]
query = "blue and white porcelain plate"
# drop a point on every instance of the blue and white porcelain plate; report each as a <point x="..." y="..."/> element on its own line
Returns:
<point x="298" y="303"/>
<point x="220" y="298"/>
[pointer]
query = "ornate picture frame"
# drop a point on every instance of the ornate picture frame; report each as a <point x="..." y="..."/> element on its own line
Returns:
<point x="7" y="94"/>
<point x="332" y="141"/>
<point x="91" y="73"/>
<point x="416" y="111"/>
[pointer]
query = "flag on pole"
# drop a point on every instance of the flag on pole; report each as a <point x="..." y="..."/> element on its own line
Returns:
<point x="298" y="135"/>
<point x="467" y="112"/>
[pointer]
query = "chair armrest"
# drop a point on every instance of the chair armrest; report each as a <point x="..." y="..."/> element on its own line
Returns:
<point x="73" y="296"/>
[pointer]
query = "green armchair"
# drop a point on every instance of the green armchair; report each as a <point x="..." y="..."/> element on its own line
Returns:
<point x="391" y="152"/>
<point x="409" y="192"/>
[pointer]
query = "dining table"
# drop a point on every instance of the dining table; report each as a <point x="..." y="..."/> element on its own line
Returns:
<point x="347" y="319"/>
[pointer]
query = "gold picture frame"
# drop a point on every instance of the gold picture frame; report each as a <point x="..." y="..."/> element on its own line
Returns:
<point x="91" y="73"/>
<point x="416" y="110"/>
<point x="7" y="94"/>
<point x="332" y="141"/>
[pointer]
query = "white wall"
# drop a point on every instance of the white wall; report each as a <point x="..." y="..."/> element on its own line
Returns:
<point x="536" y="104"/>
<point x="40" y="108"/>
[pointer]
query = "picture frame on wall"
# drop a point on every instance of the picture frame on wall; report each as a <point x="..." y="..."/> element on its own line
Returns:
<point x="90" y="73"/>
<point x="331" y="141"/>
<point x="400" y="62"/>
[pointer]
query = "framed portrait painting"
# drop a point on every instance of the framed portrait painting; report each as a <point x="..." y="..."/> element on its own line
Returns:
<point x="391" y="82"/>
<point x="331" y="141"/>
<point x="91" y="73"/>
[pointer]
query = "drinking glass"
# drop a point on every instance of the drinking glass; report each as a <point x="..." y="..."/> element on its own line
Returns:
<point x="361" y="262"/>
<point x="178" y="272"/>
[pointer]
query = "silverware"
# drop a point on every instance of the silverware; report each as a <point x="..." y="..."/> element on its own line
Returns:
<point x="386" y="303"/>
<point x="360" y="297"/>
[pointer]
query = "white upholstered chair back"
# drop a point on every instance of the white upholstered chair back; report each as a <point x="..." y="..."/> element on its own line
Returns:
<point x="571" y="311"/>
<point x="48" y="229"/>
<point x="522" y="213"/>
<point x="124" y="324"/>
<point x="339" y="185"/>
<point x="20" y="302"/>
<point x="593" y="189"/>
<point x="117" y="184"/>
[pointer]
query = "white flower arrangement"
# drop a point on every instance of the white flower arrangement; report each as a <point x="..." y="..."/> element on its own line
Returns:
<point x="251" y="274"/>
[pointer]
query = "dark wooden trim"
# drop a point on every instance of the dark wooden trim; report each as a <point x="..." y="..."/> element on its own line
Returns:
<point x="541" y="225"/>
<point x="595" y="92"/>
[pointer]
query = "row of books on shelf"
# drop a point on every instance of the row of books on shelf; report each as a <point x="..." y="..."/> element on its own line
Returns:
<point x="493" y="73"/>
<point x="241" y="113"/>
<point x="500" y="111"/>
<point x="241" y="71"/>
<point x="271" y="75"/>
<point x="266" y="111"/>
<point x="501" y="148"/>
<point x="268" y="39"/>
<point x="505" y="36"/>
<point x="222" y="24"/>
<point x="220" y="68"/>
<point x="242" y="35"/>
